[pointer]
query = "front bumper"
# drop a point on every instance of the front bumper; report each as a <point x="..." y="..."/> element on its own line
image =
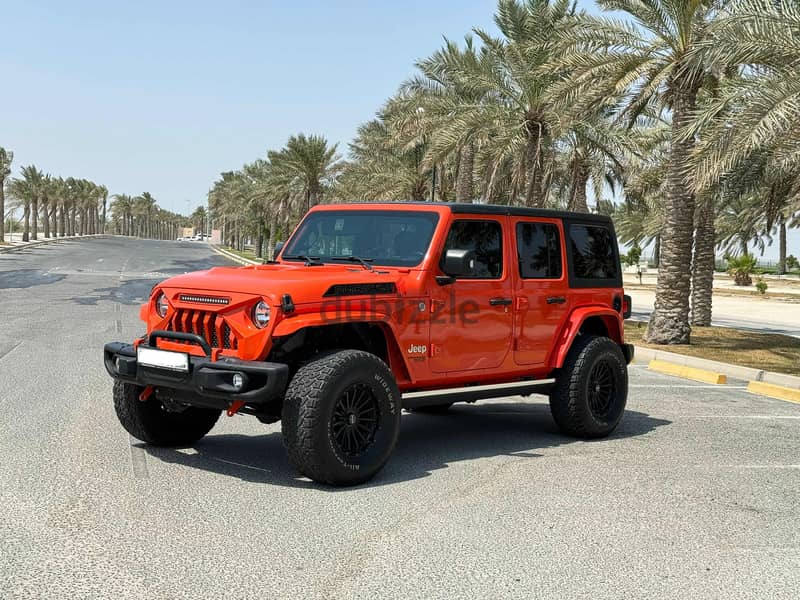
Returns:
<point x="207" y="382"/>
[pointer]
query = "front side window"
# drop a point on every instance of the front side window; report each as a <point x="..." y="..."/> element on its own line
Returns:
<point x="538" y="251"/>
<point x="384" y="237"/>
<point x="485" y="239"/>
<point x="593" y="252"/>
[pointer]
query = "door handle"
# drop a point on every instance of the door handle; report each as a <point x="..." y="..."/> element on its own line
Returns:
<point x="500" y="301"/>
<point x="556" y="300"/>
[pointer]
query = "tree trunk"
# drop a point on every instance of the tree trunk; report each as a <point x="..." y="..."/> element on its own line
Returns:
<point x="743" y="246"/>
<point x="782" y="245"/>
<point x="466" y="168"/>
<point x="54" y="219"/>
<point x="657" y="251"/>
<point x="703" y="266"/>
<point x="26" y="228"/>
<point x="103" y="222"/>
<point x="46" y="217"/>
<point x="2" y="211"/>
<point x="271" y="241"/>
<point x="533" y="194"/>
<point x="62" y="222"/>
<point x="34" y="211"/>
<point x="580" y="179"/>
<point x="669" y="323"/>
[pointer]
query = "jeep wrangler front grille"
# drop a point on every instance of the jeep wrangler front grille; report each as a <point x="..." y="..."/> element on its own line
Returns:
<point x="208" y="325"/>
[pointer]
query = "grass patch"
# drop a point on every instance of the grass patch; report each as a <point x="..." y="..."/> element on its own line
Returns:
<point x="768" y="351"/>
<point x="243" y="253"/>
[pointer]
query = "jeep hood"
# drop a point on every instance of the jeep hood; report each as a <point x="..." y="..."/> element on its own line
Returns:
<point x="304" y="284"/>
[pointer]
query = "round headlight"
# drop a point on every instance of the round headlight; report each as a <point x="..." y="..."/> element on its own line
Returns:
<point x="162" y="305"/>
<point x="261" y="314"/>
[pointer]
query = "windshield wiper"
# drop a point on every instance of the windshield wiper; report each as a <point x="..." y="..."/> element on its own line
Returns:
<point x="309" y="261"/>
<point x="364" y="261"/>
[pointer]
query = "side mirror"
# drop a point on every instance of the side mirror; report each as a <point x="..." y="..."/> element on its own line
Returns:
<point x="277" y="250"/>
<point x="459" y="263"/>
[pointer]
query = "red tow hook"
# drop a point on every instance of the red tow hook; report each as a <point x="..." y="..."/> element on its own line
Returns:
<point x="234" y="407"/>
<point x="146" y="393"/>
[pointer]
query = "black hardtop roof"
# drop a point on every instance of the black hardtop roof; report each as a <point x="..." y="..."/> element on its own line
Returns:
<point x="500" y="209"/>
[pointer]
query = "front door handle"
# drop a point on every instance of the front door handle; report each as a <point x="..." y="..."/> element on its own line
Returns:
<point x="500" y="301"/>
<point x="556" y="300"/>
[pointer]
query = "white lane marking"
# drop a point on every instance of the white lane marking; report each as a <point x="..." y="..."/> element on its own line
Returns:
<point x="759" y="466"/>
<point x="740" y="417"/>
<point x="691" y="387"/>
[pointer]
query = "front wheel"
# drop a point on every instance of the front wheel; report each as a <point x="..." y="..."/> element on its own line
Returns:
<point x="150" y="422"/>
<point x="591" y="389"/>
<point x="341" y="417"/>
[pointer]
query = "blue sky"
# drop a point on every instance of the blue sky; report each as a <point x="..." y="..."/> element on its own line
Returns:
<point x="163" y="96"/>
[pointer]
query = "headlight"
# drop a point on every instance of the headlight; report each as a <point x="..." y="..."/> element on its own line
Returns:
<point x="261" y="314"/>
<point x="162" y="305"/>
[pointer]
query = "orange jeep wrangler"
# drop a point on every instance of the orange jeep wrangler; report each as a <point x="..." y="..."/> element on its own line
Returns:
<point x="373" y="308"/>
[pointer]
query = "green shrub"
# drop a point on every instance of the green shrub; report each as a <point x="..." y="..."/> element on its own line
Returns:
<point x="761" y="286"/>
<point x="741" y="268"/>
<point x="633" y="256"/>
<point x="791" y="263"/>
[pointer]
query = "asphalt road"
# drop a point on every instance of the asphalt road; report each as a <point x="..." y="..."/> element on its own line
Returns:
<point x="696" y="495"/>
<point x="737" y="312"/>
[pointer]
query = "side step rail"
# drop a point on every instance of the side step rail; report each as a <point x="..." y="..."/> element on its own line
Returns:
<point x="476" y="392"/>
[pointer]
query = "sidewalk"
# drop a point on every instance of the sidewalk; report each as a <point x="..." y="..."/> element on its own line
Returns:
<point x="778" y="284"/>
<point x="13" y="241"/>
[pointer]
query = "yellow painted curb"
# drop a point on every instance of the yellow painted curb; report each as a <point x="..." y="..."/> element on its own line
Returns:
<point x="687" y="372"/>
<point x="774" y="391"/>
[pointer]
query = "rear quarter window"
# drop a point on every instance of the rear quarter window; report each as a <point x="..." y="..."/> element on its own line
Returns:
<point x="594" y="256"/>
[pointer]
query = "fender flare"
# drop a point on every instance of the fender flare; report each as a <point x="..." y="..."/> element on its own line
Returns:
<point x="611" y="319"/>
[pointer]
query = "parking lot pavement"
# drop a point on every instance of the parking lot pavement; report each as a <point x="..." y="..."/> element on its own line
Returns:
<point x="694" y="496"/>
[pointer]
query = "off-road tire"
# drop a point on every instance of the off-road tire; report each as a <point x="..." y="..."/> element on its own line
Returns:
<point x="570" y="398"/>
<point x="434" y="409"/>
<point x="308" y="416"/>
<point x="149" y="422"/>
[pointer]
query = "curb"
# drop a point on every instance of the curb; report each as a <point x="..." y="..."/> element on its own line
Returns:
<point x="774" y="385"/>
<point x="774" y="391"/>
<point x="233" y="257"/>
<point x="4" y="250"/>
<point x="693" y="373"/>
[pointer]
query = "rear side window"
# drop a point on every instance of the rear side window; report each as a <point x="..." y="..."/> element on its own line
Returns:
<point x="485" y="238"/>
<point x="538" y="251"/>
<point x="593" y="253"/>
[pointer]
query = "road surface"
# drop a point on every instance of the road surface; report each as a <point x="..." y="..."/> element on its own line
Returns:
<point x="694" y="496"/>
<point x="738" y="312"/>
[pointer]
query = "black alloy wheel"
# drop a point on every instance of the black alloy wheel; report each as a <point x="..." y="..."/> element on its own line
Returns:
<point x="355" y="420"/>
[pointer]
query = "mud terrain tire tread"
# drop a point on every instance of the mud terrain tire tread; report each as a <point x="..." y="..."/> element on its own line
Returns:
<point x="568" y="398"/>
<point x="306" y="415"/>
<point x="148" y="422"/>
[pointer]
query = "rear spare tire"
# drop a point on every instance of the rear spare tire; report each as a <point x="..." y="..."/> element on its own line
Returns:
<point x="150" y="422"/>
<point x="591" y="389"/>
<point x="341" y="417"/>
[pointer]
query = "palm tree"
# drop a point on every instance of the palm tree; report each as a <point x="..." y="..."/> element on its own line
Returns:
<point x="657" y="62"/>
<point x="6" y="158"/>
<point x="307" y="164"/>
<point x="103" y="192"/>
<point x="122" y="209"/>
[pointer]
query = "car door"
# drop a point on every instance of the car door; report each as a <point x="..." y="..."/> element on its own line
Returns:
<point x="472" y="317"/>
<point x="541" y="290"/>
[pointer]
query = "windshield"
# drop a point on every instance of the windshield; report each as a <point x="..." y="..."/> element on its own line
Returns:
<point x="383" y="237"/>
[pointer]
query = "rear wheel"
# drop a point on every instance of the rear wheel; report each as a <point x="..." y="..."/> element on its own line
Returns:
<point x="150" y="422"/>
<point x="341" y="417"/>
<point x="591" y="390"/>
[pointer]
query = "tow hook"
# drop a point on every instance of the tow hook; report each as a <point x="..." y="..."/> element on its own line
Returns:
<point x="234" y="407"/>
<point x="146" y="393"/>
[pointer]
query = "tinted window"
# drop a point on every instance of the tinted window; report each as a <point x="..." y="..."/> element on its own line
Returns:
<point x="389" y="238"/>
<point x="593" y="255"/>
<point x="485" y="238"/>
<point x="538" y="250"/>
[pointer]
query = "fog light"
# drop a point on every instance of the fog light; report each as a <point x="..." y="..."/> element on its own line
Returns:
<point x="238" y="381"/>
